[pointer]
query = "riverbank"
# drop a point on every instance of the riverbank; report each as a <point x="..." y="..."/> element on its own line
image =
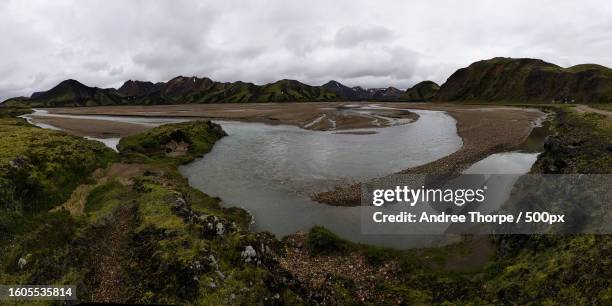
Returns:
<point x="484" y="131"/>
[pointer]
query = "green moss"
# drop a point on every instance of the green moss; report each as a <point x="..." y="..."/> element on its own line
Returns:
<point x="607" y="106"/>
<point x="40" y="168"/>
<point x="583" y="144"/>
<point x="164" y="142"/>
<point x="104" y="199"/>
<point x="321" y="240"/>
<point x="155" y="209"/>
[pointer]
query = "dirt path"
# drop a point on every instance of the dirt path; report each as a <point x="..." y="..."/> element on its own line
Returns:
<point x="581" y="108"/>
<point x="110" y="255"/>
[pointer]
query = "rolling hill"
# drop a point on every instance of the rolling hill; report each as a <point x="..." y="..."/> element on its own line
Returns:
<point x="423" y="91"/>
<point x="69" y="93"/>
<point x="528" y="80"/>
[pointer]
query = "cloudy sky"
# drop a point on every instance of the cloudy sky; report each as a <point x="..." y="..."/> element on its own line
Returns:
<point x="368" y="43"/>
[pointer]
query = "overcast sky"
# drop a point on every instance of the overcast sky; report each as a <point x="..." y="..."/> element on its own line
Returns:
<point x="367" y="43"/>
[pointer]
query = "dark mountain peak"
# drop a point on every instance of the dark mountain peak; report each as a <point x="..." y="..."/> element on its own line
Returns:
<point x="342" y="90"/>
<point x="332" y="84"/>
<point x="71" y="83"/>
<point x="73" y="93"/>
<point x="424" y="84"/>
<point x="188" y="80"/>
<point x="181" y="86"/>
<point x="392" y="89"/>
<point x="289" y="82"/>
<point x="67" y="88"/>
<point x="390" y="93"/>
<point x="505" y="61"/>
<point x="138" y="88"/>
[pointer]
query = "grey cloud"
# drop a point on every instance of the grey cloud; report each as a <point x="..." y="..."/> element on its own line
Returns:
<point x="352" y="36"/>
<point x="358" y="42"/>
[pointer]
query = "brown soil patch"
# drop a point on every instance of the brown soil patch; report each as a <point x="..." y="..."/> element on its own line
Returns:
<point x="174" y="148"/>
<point x="110" y="257"/>
<point x="478" y="251"/>
<point x="581" y="108"/>
<point x="313" y="270"/>
<point x="92" y="127"/>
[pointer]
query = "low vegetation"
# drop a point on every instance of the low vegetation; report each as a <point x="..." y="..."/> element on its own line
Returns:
<point x="321" y="240"/>
<point x="581" y="144"/>
<point x="40" y="168"/>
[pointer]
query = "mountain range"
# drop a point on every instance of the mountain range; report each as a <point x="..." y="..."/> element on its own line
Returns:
<point x="422" y="91"/>
<point x="178" y="90"/>
<point x="494" y="80"/>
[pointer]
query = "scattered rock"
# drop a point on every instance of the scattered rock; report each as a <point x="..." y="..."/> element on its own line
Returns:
<point x="20" y="162"/>
<point x="212" y="225"/>
<point x="249" y="254"/>
<point x="220" y="229"/>
<point x="22" y="263"/>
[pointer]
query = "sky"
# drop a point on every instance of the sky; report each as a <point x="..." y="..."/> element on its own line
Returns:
<point x="368" y="43"/>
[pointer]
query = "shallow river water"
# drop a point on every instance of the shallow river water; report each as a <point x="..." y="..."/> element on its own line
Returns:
<point x="270" y="171"/>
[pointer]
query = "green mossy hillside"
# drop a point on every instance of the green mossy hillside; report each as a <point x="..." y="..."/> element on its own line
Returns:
<point x="527" y="81"/>
<point x="581" y="144"/>
<point x="39" y="168"/>
<point x="181" y="142"/>
<point x="179" y="90"/>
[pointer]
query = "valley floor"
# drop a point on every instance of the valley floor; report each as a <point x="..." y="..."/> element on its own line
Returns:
<point x="312" y="116"/>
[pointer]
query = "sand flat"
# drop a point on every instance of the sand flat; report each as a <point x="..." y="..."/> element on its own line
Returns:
<point x="319" y="116"/>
